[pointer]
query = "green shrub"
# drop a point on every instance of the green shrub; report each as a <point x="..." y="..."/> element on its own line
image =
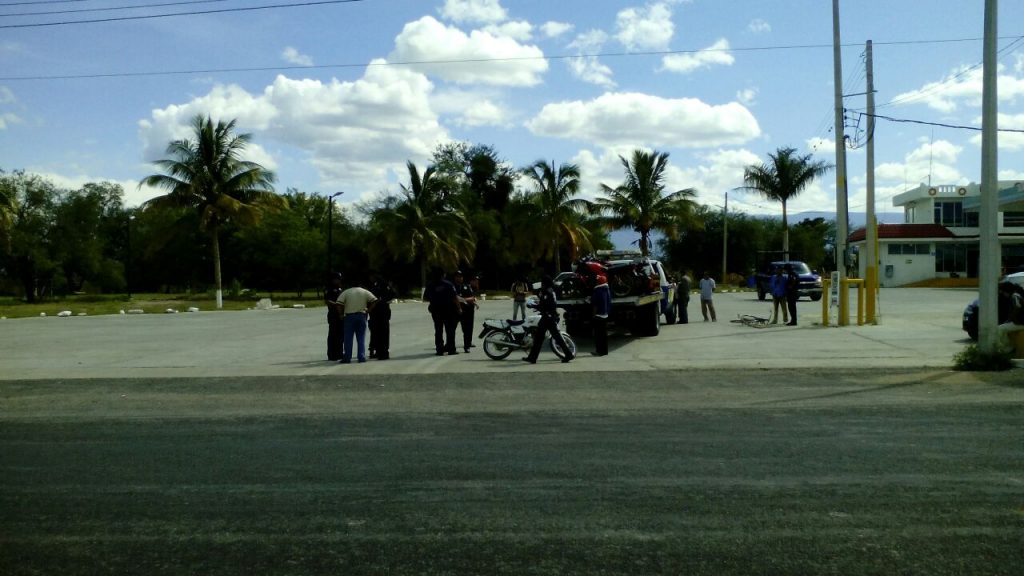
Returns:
<point x="972" y="359"/>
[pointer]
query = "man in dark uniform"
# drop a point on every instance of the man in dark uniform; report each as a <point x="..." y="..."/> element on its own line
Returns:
<point x="444" y="310"/>
<point x="683" y="299"/>
<point x="335" y="321"/>
<point x="468" y="305"/>
<point x="792" y="293"/>
<point x="380" y="319"/>
<point x="547" y="306"/>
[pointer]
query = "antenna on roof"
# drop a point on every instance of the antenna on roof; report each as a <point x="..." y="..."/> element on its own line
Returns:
<point x="931" y="154"/>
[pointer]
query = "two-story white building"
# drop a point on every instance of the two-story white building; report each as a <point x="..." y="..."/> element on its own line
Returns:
<point x="939" y="236"/>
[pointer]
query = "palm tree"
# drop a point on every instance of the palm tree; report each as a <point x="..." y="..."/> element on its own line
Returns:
<point x="782" y="179"/>
<point x="8" y="206"/>
<point x="422" y="226"/>
<point x="208" y="175"/>
<point x="557" y="215"/>
<point x="640" y="202"/>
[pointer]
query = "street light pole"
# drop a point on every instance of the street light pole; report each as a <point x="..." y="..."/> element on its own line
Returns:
<point x="725" y="235"/>
<point x="330" y="228"/>
<point x="128" y="258"/>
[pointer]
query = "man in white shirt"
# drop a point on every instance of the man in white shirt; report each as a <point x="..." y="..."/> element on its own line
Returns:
<point x="707" y="288"/>
<point x="356" y="303"/>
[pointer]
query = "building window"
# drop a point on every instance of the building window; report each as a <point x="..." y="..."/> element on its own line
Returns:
<point x="951" y="258"/>
<point x="949" y="213"/>
<point x="1013" y="219"/>
<point x="910" y="249"/>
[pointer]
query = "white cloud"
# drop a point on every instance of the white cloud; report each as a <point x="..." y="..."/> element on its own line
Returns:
<point x="634" y="119"/>
<point x="356" y="134"/>
<point x="719" y="172"/>
<point x="1007" y="140"/>
<point x="716" y="54"/>
<point x="647" y="28"/>
<point x="520" y="30"/>
<point x="759" y="26"/>
<point x="474" y="11"/>
<point x="134" y="195"/>
<point x="1011" y="175"/>
<point x="293" y="56"/>
<point x="487" y="59"/>
<point x="1018" y="66"/>
<point x="555" y="29"/>
<point x="747" y="96"/>
<point x="8" y="118"/>
<point x="6" y="96"/>
<point x="483" y="113"/>
<point x="589" y="68"/>
<point x="936" y="159"/>
<point x="962" y="86"/>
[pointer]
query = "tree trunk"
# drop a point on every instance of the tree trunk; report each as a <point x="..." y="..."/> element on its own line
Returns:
<point x="558" y="257"/>
<point x="423" y="277"/>
<point x="644" y="251"/>
<point x="785" y="233"/>
<point x="215" y="238"/>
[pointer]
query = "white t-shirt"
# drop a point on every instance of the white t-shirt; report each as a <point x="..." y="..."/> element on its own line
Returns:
<point x="356" y="299"/>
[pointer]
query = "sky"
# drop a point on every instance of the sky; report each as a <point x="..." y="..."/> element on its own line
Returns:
<point x="339" y="95"/>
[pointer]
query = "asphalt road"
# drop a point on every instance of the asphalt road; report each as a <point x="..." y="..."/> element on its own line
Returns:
<point x="670" y="472"/>
<point x="222" y="443"/>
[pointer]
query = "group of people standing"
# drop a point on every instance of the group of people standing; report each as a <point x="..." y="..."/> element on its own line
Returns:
<point x="784" y="286"/>
<point x="350" y="311"/>
<point x="452" y="303"/>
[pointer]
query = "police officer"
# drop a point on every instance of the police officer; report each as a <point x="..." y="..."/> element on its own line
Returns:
<point x="380" y="319"/>
<point x="467" y="302"/>
<point x="444" y="311"/>
<point x="547" y="306"/>
<point x="335" y="321"/>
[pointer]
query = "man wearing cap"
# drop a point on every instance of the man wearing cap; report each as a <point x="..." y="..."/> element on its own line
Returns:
<point x="468" y="305"/>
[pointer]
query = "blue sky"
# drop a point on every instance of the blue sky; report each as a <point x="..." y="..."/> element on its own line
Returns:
<point x="336" y="106"/>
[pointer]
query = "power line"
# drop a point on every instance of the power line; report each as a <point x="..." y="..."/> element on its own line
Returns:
<point x="442" y="62"/>
<point x="955" y="126"/>
<point x="39" y="2"/>
<point x="110" y="8"/>
<point x="195" y="13"/>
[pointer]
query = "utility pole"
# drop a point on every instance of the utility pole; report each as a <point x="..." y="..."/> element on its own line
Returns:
<point x="871" y="224"/>
<point x="988" y="220"/>
<point x="842" y="211"/>
<point x="725" y="235"/>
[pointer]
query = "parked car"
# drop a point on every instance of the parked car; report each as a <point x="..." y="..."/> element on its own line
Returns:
<point x="970" y="317"/>
<point x="810" y="281"/>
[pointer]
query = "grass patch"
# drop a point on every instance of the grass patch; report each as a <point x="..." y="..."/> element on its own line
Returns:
<point x="973" y="359"/>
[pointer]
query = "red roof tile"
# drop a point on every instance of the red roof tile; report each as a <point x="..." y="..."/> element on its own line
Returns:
<point x="905" y="231"/>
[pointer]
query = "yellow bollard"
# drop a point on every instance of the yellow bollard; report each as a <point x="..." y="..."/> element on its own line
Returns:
<point x="859" y="283"/>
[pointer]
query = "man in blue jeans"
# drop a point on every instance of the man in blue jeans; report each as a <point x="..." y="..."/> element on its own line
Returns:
<point x="356" y="303"/>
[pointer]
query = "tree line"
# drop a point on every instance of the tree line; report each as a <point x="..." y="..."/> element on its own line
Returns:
<point x="219" y="224"/>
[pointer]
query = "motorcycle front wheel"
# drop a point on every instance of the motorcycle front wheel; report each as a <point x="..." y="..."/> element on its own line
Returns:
<point x="569" y="342"/>
<point x="498" y="345"/>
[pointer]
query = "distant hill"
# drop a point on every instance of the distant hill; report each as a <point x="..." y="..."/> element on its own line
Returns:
<point x="625" y="239"/>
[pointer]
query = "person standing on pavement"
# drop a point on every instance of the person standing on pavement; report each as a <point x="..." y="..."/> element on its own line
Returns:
<point x="707" y="290"/>
<point x="792" y="293"/>
<point x="356" y="303"/>
<point x="683" y="298"/>
<point x="602" y="302"/>
<point x="444" y="310"/>
<point x="520" y="289"/>
<point x="380" y="319"/>
<point x="548" y="308"/>
<point x="778" y="286"/>
<point x="468" y="306"/>
<point x="335" y="318"/>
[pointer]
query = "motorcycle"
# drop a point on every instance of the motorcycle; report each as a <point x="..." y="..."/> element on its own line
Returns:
<point x="501" y="337"/>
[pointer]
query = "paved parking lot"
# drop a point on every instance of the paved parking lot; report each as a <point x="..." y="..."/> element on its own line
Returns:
<point x="919" y="328"/>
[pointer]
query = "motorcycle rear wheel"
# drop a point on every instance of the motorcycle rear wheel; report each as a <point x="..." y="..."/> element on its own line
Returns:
<point x="498" y="345"/>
